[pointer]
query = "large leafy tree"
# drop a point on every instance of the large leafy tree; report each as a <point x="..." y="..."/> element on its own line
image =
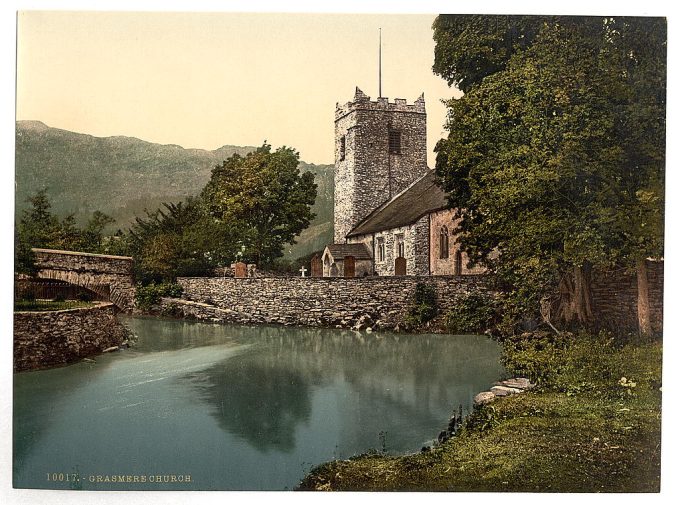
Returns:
<point x="555" y="153"/>
<point x="264" y="197"/>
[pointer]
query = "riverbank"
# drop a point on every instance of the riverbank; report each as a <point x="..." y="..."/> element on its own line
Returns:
<point x="593" y="424"/>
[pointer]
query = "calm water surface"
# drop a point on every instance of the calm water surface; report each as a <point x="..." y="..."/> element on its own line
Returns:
<point x="240" y="407"/>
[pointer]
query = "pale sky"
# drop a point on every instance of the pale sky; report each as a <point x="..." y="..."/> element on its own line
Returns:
<point x="203" y="80"/>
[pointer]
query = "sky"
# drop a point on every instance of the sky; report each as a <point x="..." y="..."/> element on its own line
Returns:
<point x="203" y="80"/>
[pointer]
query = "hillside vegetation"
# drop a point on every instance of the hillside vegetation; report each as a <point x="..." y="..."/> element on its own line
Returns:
<point x="122" y="176"/>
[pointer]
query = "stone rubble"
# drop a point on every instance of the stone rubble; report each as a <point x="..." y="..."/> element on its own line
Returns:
<point x="507" y="387"/>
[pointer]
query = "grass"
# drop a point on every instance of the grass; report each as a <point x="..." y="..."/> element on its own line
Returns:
<point x="43" y="305"/>
<point x="583" y="429"/>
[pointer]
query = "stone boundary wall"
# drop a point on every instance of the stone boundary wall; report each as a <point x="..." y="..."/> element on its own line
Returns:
<point x="615" y="298"/>
<point x="379" y="302"/>
<point x="90" y="271"/>
<point x="50" y="338"/>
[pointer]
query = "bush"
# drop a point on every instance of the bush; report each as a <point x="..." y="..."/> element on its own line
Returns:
<point x="472" y="313"/>
<point x="149" y="295"/>
<point x="424" y="307"/>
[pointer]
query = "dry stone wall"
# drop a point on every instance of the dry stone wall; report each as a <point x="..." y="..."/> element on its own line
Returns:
<point x="51" y="338"/>
<point x="380" y="302"/>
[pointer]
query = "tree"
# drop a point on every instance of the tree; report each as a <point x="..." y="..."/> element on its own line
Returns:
<point x="264" y="198"/>
<point x="179" y="239"/>
<point x="555" y="153"/>
<point x="38" y="227"/>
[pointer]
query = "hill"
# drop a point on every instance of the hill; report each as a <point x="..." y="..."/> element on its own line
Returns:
<point x="122" y="176"/>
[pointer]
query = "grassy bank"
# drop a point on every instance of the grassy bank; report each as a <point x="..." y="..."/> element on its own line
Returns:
<point x="592" y="424"/>
<point x="43" y="305"/>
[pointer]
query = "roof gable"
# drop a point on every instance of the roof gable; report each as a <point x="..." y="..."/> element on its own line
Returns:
<point x="339" y="251"/>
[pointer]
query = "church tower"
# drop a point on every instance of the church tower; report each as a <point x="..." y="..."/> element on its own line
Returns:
<point x="380" y="149"/>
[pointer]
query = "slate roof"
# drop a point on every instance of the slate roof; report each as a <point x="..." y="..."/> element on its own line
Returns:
<point x="419" y="199"/>
<point x="359" y="251"/>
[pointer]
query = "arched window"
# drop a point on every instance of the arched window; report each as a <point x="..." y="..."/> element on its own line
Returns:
<point x="399" y="242"/>
<point x="458" y="263"/>
<point x="443" y="242"/>
<point x="381" y="249"/>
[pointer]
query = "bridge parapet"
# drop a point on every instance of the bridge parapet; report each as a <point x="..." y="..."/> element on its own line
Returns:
<point x="90" y="271"/>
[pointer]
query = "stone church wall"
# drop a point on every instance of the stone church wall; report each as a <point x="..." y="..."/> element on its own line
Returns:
<point x="447" y="266"/>
<point x="416" y="247"/>
<point x="329" y="302"/>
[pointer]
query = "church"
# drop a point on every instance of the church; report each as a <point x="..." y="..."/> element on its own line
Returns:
<point x="390" y="217"/>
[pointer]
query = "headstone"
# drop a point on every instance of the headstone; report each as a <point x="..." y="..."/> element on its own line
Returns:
<point x="303" y="270"/>
<point x="240" y="270"/>
<point x="350" y="266"/>
<point x="400" y="266"/>
<point x="317" y="266"/>
<point x="252" y="269"/>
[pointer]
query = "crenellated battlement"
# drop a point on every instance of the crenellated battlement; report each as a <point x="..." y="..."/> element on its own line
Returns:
<point x="380" y="149"/>
<point x="363" y="102"/>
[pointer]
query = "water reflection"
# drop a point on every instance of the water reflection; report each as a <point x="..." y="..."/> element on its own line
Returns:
<point x="242" y="407"/>
<point x="400" y="383"/>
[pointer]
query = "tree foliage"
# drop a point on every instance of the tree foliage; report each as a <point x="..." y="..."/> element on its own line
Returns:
<point x="249" y="209"/>
<point x="555" y="154"/>
<point x="264" y="197"/>
<point x="178" y="240"/>
<point x="39" y="227"/>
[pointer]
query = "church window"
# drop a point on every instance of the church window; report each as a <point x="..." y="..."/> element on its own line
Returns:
<point x="443" y="242"/>
<point x="458" y="263"/>
<point x="342" y="148"/>
<point x="395" y="142"/>
<point x="400" y="246"/>
<point x="381" y="249"/>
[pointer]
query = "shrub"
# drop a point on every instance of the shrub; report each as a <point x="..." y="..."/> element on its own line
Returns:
<point x="472" y="313"/>
<point x="424" y="307"/>
<point x="149" y="295"/>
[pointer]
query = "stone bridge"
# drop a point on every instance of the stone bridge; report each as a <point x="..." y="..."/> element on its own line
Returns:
<point x="106" y="275"/>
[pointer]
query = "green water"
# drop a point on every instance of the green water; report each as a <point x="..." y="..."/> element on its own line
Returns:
<point x="238" y="408"/>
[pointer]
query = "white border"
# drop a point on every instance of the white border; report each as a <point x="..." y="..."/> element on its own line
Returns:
<point x="7" y="109"/>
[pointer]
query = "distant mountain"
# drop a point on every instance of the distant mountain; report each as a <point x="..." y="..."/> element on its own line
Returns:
<point x="122" y="176"/>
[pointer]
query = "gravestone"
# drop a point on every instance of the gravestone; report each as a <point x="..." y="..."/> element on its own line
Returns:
<point x="252" y="270"/>
<point x="350" y="266"/>
<point x="240" y="270"/>
<point x="400" y="266"/>
<point x="317" y="266"/>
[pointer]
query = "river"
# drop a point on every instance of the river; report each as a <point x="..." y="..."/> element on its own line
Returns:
<point x="226" y="407"/>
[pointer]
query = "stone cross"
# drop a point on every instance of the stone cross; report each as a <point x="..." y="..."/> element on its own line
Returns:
<point x="303" y="270"/>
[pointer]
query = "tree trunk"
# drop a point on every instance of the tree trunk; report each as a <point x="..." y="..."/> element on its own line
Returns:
<point x="643" y="312"/>
<point x="582" y="297"/>
<point x="575" y="298"/>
